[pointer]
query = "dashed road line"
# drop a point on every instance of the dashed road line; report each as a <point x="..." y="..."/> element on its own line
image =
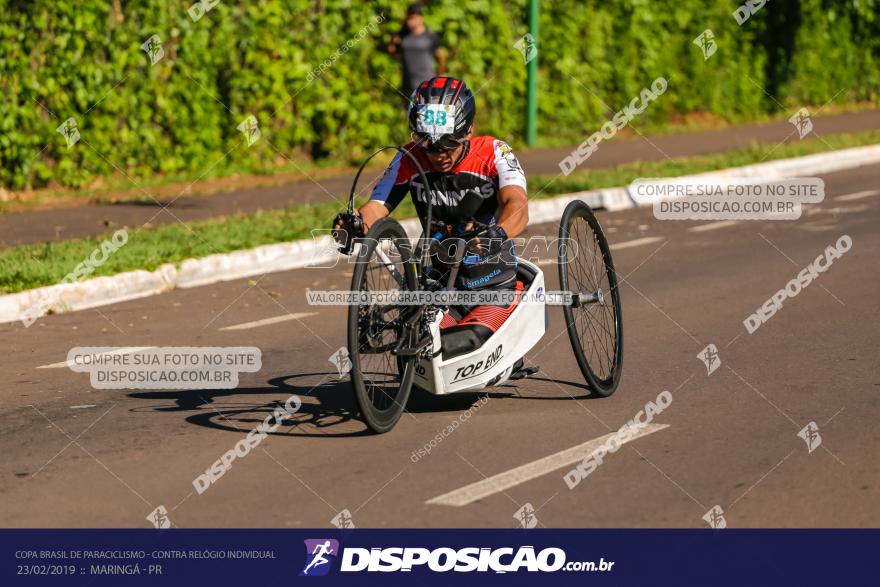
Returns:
<point x="120" y="351"/>
<point x="857" y="195"/>
<point x="268" y="321"/>
<point x="712" y="226"/>
<point x="647" y="240"/>
<point x="503" y="481"/>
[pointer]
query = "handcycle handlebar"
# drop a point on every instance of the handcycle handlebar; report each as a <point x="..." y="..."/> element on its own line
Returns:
<point x="427" y="226"/>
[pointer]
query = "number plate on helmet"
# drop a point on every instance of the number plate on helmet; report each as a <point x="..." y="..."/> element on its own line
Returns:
<point x="436" y="120"/>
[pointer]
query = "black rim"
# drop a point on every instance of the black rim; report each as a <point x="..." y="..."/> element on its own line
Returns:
<point x="593" y="320"/>
<point x="381" y="380"/>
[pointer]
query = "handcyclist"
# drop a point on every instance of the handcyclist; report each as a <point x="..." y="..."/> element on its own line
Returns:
<point x="456" y="163"/>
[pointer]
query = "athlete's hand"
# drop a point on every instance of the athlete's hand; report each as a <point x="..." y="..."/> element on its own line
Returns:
<point x="488" y="242"/>
<point x="347" y="227"/>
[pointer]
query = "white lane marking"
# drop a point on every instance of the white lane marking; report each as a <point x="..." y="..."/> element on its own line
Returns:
<point x="857" y="195"/>
<point x="267" y="321"/>
<point x="82" y="407"/>
<point x="120" y="351"/>
<point x="636" y="243"/>
<point x="543" y="262"/>
<point x="503" y="481"/>
<point x="712" y="226"/>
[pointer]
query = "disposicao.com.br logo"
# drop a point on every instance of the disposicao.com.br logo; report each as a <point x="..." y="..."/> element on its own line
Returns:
<point x="444" y="559"/>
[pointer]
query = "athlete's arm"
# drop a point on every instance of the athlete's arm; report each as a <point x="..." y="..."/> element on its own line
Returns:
<point x="385" y="197"/>
<point x="514" y="210"/>
<point x="512" y="191"/>
<point x="372" y="212"/>
<point x="387" y="194"/>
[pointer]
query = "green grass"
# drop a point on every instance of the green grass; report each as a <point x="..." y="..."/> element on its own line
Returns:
<point x="31" y="266"/>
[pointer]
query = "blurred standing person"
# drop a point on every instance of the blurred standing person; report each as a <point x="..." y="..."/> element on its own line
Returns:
<point x="419" y="50"/>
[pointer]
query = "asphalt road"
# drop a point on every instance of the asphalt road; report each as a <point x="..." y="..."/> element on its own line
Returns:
<point x="93" y="219"/>
<point x="73" y="456"/>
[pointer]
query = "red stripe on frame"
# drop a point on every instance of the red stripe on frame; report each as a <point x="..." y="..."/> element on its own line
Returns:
<point x="492" y="317"/>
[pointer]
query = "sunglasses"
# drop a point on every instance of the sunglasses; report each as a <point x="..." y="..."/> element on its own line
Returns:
<point x="444" y="144"/>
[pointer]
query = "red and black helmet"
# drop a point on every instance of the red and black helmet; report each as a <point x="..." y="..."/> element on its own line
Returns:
<point x="441" y="113"/>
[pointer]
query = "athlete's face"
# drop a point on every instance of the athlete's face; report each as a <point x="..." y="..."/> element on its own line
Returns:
<point x="445" y="160"/>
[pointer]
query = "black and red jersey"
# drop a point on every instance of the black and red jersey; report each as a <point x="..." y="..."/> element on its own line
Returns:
<point x="488" y="165"/>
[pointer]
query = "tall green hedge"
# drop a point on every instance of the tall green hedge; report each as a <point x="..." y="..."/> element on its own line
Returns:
<point x="83" y="59"/>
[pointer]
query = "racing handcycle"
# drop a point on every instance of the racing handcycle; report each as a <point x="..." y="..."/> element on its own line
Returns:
<point x="395" y="346"/>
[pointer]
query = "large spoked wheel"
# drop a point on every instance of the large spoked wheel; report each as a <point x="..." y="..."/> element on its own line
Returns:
<point x="593" y="319"/>
<point x="381" y="379"/>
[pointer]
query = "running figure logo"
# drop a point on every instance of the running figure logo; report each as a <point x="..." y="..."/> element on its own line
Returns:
<point x="159" y="518"/>
<point x="342" y="360"/>
<point x="153" y="48"/>
<point x="69" y="131"/>
<point x="250" y="128"/>
<point x="527" y="46"/>
<point x="320" y="554"/>
<point x="802" y="122"/>
<point x="710" y="358"/>
<point x="325" y="253"/>
<point x="343" y="520"/>
<point x="526" y="516"/>
<point x="810" y="435"/>
<point x="715" y="518"/>
<point x="706" y="42"/>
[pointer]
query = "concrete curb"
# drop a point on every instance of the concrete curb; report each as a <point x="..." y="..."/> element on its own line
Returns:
<point x="101" y="291"/>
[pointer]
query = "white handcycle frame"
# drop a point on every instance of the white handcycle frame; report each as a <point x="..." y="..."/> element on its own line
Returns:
<point x="492" y="363"/>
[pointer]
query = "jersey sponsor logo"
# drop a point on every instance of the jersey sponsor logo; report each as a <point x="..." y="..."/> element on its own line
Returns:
<point x="506" y="153"/>
<point x="482" y="280"/>
<point x="451" y="197"/>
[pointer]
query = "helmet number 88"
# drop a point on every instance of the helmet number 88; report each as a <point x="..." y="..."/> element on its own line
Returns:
<point x="438" y="120"/>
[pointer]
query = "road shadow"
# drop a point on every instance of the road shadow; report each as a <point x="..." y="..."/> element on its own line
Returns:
<point x="582" y="388"/>
<point x="423" y="401"/>
<point x="335" y="406"/>
<point x="328" y="409"/>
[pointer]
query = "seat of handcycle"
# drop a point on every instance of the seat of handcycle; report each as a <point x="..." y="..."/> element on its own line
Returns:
<point x="463" y="334"/>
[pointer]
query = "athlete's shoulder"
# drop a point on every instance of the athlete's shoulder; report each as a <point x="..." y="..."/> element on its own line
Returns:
<point x="483" y="143"/>
<point x="487" y="140"/>
<point x="492" y="146"/>
<point x="405" y="161"/>
<point x="483" y="150"/>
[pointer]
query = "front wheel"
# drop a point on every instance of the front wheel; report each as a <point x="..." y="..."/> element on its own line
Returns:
<point x="593" y="318"/>
<point x="381" y="379"/>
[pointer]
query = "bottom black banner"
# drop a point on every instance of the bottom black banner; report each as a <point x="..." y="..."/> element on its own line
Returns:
<point x="390" y="557"/>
